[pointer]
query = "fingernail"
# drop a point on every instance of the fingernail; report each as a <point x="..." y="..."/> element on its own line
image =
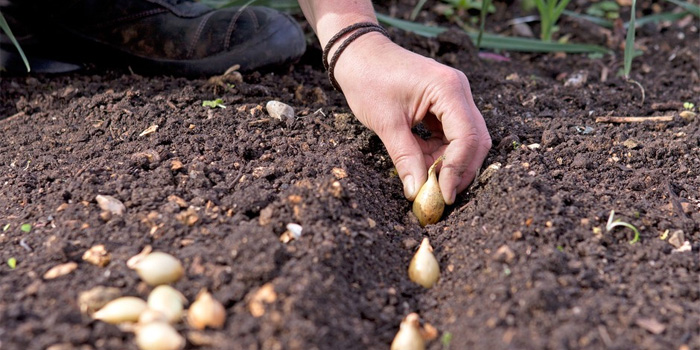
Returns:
<point x="409" y="187"/>
<point x="451" y="199"/>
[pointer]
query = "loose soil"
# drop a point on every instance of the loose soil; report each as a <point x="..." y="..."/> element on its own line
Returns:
<point x="217" y="187"/>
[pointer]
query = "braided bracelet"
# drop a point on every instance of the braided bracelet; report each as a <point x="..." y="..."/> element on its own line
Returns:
<point x="361" y="28"/>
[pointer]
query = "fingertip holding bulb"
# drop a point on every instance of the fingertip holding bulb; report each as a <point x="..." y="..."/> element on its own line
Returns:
<point x="451" y="199"/>
<point x="409" y="187"/>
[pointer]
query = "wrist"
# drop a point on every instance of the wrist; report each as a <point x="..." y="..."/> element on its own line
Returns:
<point x="331" y="24"/>
<point x="365" y="51"/>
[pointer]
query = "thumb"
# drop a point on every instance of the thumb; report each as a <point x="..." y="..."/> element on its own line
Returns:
<point x="407" y="156"/>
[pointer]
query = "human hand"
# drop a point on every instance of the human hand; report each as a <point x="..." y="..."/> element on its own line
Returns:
<point x="390" y="90"/>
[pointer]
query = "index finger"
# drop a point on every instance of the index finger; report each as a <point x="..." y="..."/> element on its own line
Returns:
<point x="468" y="143"/>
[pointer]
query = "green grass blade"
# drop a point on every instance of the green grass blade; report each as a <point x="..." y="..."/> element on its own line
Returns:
<point x="417" y="28"/>
<point x="416" y="10"/>
<point x="641" y="21"/>
<point x="545" y="25"/>
<point x="629" y="42"/>
<point x="692" y="8"/>
<point x="558" y="10"/>
<point x="550" y="7"/>
<point x="482" y="22"/>
<point x="6" y="28"/>
<point x="494" y="41"/>
<point x="593" y="19"/>
<point x="666" y="16"/>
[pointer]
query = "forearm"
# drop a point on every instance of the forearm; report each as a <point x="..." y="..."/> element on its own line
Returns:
<point x="328" y="17"/>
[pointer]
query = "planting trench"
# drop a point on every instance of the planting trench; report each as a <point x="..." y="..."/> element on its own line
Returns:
<point x="558" y="283"/>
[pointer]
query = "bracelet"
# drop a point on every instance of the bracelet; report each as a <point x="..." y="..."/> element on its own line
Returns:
<point x="364" y="28"/>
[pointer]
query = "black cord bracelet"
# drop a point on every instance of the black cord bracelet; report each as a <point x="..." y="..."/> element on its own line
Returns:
<point x="364" y="28"/>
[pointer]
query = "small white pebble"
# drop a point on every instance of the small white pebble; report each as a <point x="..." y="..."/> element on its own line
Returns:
<point x="279" y="110"/>
<point x="295" y="230"/>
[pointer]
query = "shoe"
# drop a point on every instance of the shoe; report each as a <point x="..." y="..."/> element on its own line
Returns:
<point x="175" y="37"/>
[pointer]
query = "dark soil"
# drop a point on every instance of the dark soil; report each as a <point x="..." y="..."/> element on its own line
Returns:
<point x="569" y="283"/>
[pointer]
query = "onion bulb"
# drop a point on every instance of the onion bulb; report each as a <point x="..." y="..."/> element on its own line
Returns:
<point x="206" y="311"/>
<point x="157" y="268"/>
<point x="429" y="204"/>
<point x="158" y="336"/>
<point x="168" y="301"/>
<point x="424" y="268"/>
<point x="409" y="337"/>
<point x="124" y="309"/>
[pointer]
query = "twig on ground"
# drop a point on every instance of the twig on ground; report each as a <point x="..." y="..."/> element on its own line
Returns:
<point x="14" y="116"/>
<point x="259" y="121"/>
<point x="664" y="118"/>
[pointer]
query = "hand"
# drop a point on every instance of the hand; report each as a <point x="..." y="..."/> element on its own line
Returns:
<point x="390" y="90"/>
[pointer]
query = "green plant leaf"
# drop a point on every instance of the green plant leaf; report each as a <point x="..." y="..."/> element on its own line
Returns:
<point x="214" y="103"/>
<point x="12" y="263"/>
<point x="446" y="339"/>
<point x="666" y="16"/>
<point x="6" y="28"/>
<point x="614" y="223"/>
<point x="559" y="9"/>
<point x="593" y="19"/>
<point x="692" y="8"/>
<point x="26" y="227"/>
<point x="629" y="42"/>
<point x="494" y="41"/>
<point x="417" y="9"/>
<point x="482" y="22"/>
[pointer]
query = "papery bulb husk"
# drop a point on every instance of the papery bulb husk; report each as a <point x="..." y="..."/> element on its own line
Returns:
<point x="158" y="268"/>
<point x="409" y="337"/>
<point x="158" y="336"/>
<point x="424" y="268"/>
<point x="168" y="301"/>
<point x="429" y="204"/>
<point x="124" y="309"/>
<point x="206" y="311"/>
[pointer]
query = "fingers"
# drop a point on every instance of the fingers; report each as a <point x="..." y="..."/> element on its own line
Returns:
<point x="407" y="156"/>
<point x="467" y="139"/>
